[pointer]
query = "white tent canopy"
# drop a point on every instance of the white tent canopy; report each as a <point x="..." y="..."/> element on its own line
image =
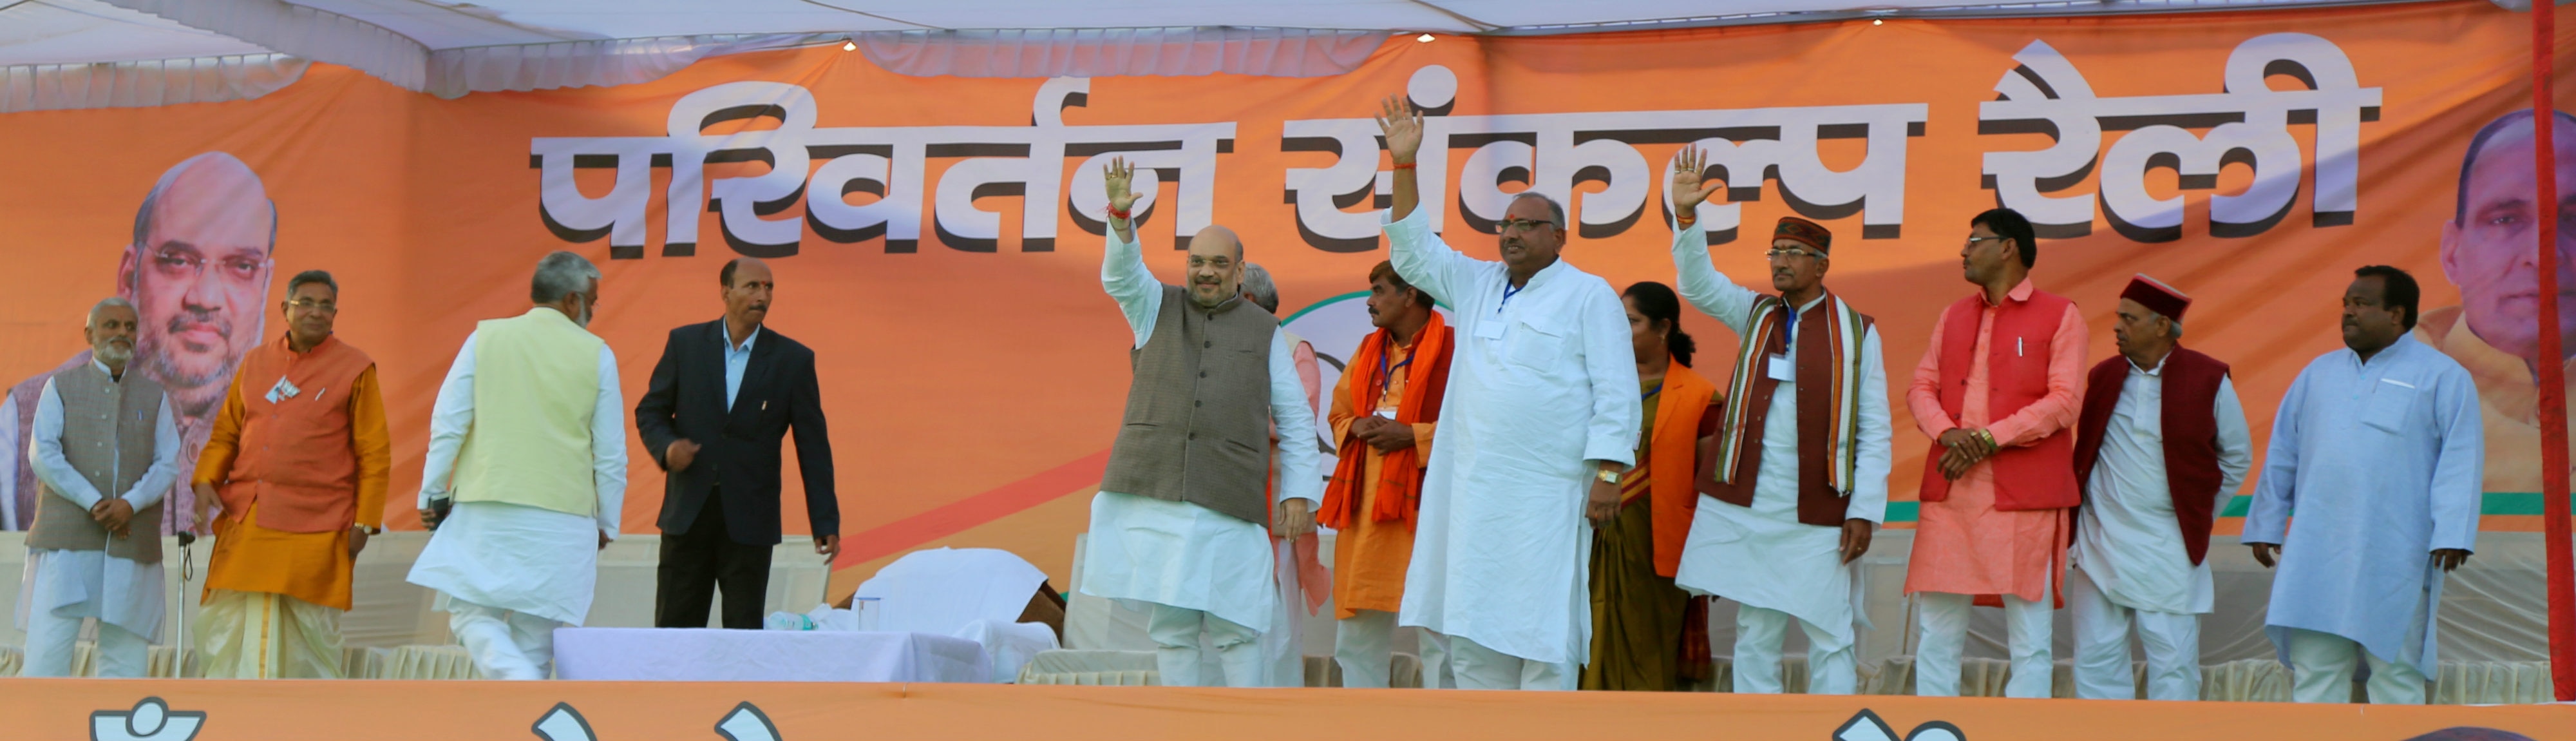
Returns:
<point x="99" y="53"/>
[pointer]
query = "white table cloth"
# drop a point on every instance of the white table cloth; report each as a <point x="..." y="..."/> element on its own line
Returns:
<point x="715" y="655"/>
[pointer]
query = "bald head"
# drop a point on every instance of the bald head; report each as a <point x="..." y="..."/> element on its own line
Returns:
<point x="1216" y="266"/>
<point x="1218" y="238"/>
<point x="739" y="266"/>
<point x="212" y="193"/>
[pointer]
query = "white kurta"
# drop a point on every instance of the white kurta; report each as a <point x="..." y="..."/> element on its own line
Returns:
<point x="1180" y="554"/>
<point x="9" y="442"/>
<point x="2126" y="538"/>
<point x="1543" y="380"/>
<point x="92" y="584"/>
<point x="2381" y="463"/>
<point x="1762" y="555"/>
<point x="515" y="557"/>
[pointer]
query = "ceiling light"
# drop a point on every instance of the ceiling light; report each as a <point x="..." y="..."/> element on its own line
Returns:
<point x="1877" y="22"/>
<point x="849" y="46"/>
<point x="1425" y="38"/>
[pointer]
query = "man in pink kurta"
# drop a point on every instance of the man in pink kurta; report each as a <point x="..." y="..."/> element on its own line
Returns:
<point x="1998" y="390"/>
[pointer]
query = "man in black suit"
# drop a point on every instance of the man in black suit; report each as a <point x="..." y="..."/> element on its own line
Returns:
<point x="723" y="395"/>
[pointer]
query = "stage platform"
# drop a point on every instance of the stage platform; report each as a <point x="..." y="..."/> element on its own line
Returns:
<point x="177" y="710"/>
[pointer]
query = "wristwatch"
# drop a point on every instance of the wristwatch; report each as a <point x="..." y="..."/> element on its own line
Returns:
<point x="1606" y="476"/>
<point x="370" y="529"/>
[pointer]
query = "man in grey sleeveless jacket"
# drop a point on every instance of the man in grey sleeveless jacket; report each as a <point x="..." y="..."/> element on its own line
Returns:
<point x="1178" y="525"/>
<point x="105" y="448"/>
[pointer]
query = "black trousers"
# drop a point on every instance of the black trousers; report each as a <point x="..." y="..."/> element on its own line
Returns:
<point x="697" y="563"/>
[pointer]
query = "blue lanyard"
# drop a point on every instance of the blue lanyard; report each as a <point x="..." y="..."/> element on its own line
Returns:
<point x="1788" y="323"/>
<point x="1508" y="290"/>
<point x="1650" y="393"/>
<point x="1383" y="371"/>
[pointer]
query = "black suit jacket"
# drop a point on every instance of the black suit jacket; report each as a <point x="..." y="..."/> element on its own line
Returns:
<point x="738" y="449"/>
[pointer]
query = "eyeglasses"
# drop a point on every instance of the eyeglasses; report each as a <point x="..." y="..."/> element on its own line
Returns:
<point x="1520" y="225"/>
<point x="1972" y="241"/>
<point x="1777" y="253"/>
<point x="306" y="304"/>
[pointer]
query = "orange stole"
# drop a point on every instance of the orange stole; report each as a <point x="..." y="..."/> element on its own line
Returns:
<point x="1674" y="465"/>
<point x="1399" y="494"/>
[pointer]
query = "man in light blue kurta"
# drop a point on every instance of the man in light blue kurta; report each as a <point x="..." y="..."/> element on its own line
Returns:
<point x="2377" y="451"/>
<point x="1541" y="419"/>
<point x="1176" y="528"/>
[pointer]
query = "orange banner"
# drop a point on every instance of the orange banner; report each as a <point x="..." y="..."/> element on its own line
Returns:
<point x="168" y="710"/>
<point x="936" y="239"/>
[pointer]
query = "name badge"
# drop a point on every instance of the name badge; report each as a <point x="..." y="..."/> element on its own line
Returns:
<point x="283" y="390"/>
<point x="1490" y="329"/>
<point x="1781" y="369"/>
<point x="1387" y="413"/>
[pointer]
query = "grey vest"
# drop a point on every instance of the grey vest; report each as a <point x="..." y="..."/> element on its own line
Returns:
<point x="1198" y="413"/>
<point x="107" y="437"/>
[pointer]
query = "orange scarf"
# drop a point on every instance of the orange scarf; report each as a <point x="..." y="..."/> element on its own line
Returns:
<point x="1399" y="493"/>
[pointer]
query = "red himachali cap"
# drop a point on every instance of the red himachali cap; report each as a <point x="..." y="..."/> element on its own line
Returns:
<point x="2157" y="296"/>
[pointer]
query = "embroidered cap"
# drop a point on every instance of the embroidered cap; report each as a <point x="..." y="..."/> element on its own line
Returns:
<point x="2156" y="296"/>
<point x="1804" y="232"/>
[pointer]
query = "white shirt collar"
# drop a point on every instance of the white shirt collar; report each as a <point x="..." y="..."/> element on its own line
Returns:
<point x="2155" y="372"/>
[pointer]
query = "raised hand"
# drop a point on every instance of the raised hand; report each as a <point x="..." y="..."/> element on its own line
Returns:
<point x="1687" y="191"/>
<point x="1118" y="178"/>
<point x="1402" y="126"/>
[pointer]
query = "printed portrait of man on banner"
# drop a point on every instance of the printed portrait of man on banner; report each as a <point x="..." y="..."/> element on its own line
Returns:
<point x="2488" y="252"/>
<point x="197" y="271"/>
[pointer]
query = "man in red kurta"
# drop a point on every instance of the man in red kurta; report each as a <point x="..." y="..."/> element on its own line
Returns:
<point x="1999" y="390"/>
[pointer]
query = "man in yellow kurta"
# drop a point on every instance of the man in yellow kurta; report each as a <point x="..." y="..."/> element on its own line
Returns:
<point x="1384" y="411"/>
<point x="299" y="459"/>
